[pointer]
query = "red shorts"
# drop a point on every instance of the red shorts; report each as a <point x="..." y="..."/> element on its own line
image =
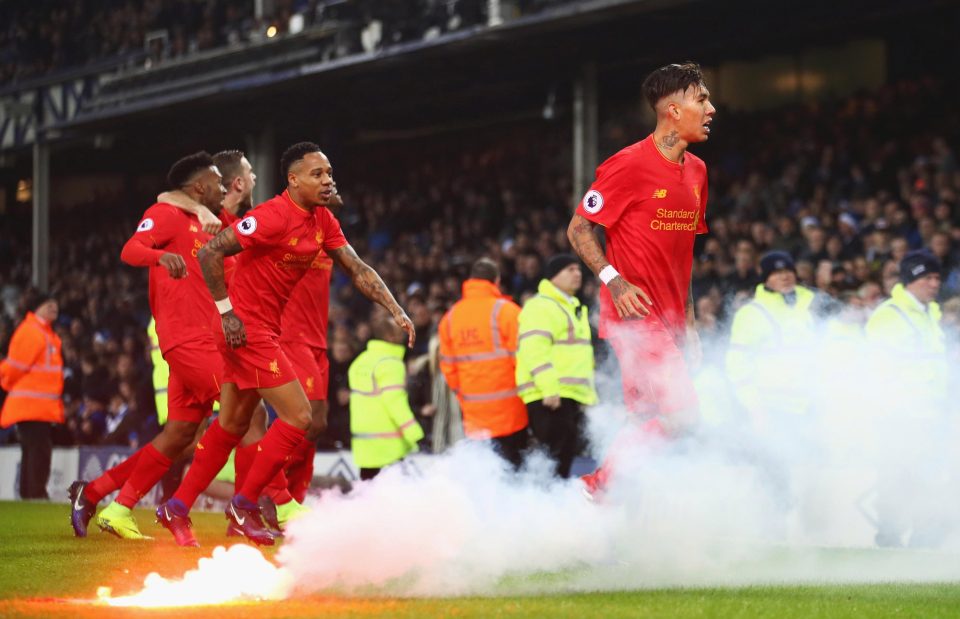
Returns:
<point x="196" y="373"/>
<point x="259" y="364"/>
<point x="312" y="368"/>
<point x="655" y="377"/>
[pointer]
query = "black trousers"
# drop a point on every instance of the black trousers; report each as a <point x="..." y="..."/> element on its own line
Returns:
<point x="558" y="430"/>
<point x="511" y="447"/>
<point x="36" y="451"/>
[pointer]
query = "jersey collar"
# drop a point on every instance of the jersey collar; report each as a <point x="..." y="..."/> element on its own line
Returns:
<point x="287" y="197"/>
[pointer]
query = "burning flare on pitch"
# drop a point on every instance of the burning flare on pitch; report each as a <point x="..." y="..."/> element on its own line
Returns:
<point x="238" y="574"/>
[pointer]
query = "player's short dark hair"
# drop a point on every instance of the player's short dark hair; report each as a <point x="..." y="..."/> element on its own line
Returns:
<point x="669" y="79"/>
<point x="228" y="162"/>
<point x="485" y="268"/>
<point x="294" y="154"/>
<point x="183" y="171"/>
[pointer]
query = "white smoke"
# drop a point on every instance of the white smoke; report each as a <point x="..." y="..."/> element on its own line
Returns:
<point x="722" y="506"/>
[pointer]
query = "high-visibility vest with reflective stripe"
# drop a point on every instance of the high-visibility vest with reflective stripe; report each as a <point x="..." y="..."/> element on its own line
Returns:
<point x="478" y="344"/>
<point x="770" y="348"/>
<point x="32" y="375"/>
<point x="161" y="373"/>
<point x="555" y="353"/>
<point x="382" y="427"/>
<point x="909" y="348"/>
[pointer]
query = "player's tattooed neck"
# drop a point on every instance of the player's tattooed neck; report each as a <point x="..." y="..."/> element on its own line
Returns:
<point x="670" y="140"/>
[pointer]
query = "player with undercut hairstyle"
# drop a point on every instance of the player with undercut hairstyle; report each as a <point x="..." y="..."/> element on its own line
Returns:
<point x="650" y="199"/>
<point x="276" y="242"/>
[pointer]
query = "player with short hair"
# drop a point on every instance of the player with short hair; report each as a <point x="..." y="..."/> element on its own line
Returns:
<point x="276" y="244"/>
<point x="650" y="199"/>
<point x="167" y="241"/>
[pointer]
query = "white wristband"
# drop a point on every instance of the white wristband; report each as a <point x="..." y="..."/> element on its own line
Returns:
<point x="607" y="273"/>
<point x="224" y="305"/>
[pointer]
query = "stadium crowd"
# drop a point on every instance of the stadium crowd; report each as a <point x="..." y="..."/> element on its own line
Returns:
<point x="47" y="37"/>
<point x="846" y="186"/>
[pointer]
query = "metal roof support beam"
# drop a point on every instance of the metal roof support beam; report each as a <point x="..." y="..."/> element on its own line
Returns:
<point x="585" y="128"/>
<point x="262" y="153"/>
<point x="41" y="214"/>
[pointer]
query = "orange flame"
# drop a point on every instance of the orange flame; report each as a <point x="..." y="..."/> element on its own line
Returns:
<point x="241" y="573"/>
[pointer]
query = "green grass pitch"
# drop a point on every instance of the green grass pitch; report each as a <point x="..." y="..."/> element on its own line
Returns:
<point x="44" y="569"/>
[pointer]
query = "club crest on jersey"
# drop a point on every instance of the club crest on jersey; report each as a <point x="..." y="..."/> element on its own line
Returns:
<point x="593" y="201"/>
<point x="145" y="225"/>
<point x="247" y="226"/>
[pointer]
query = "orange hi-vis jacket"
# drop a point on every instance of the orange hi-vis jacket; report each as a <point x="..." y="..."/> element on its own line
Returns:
<point x="478" y="347"/>
<point x="32" y="375"/>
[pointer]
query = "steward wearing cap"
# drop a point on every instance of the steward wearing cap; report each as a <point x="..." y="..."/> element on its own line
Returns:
<point x="478" y="347"/>
<point x="766" y="360"/>
<point x="906" y="329"/>
<point x="32" y="376"/>
<point x="555" y="365"/>
<point x="909" y="411"/>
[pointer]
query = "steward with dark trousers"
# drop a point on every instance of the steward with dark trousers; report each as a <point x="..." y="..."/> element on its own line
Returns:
<point x="555" y="364"/>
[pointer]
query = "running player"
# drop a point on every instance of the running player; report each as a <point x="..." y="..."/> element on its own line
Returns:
<point x="167" y="241"/>
<point x="278" y="240"/>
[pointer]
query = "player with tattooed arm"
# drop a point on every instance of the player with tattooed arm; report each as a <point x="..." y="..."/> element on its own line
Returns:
<point x="276" y="243"/>
<point x="650" y="199"/>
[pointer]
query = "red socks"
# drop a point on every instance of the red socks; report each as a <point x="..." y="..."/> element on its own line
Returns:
<point x="242" y="462"/>
<point x="275" y="450"/>
<point x="112" y="479"/>
<point x="300" y="471"/>
<point x="151" y="466"/>
<point x="277" y="489"/>
<point x="213" y="451"/>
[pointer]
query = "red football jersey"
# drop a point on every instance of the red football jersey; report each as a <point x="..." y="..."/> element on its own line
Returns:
<point x="307" y="313"/>
<point x="652" y="209"/>
<point x="183" y="308"/>
<point x="280" y="241"/>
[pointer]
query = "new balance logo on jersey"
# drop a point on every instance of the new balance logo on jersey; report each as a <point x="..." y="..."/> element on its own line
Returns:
<point x="660" y="193"/>
<point x="293" y="242"/>
<point x="193" y="228"/>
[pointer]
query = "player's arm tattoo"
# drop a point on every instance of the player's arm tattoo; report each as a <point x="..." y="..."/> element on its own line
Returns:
<point x="364" y="277"/>
<point x="211" y="258"/>
<point x="584" y="241"/>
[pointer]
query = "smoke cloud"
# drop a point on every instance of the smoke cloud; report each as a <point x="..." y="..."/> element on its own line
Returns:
<point x="796" y="501"/>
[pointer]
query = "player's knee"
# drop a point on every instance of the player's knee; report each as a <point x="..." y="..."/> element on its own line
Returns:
<point x="318" y="421"/>
<point x="179" y="435"/>
<point x="237" y="426"/>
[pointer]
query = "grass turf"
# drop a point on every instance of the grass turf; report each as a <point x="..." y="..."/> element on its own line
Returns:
<point x="44" y="567"/>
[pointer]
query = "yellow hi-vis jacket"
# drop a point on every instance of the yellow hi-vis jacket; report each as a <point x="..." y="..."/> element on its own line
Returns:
<point x="381" y="423"/>
<point x="555" y="354"/>
<point x="161" y="373"/>
<point x="909" y="344"/>
<point x="769" y="351"/>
